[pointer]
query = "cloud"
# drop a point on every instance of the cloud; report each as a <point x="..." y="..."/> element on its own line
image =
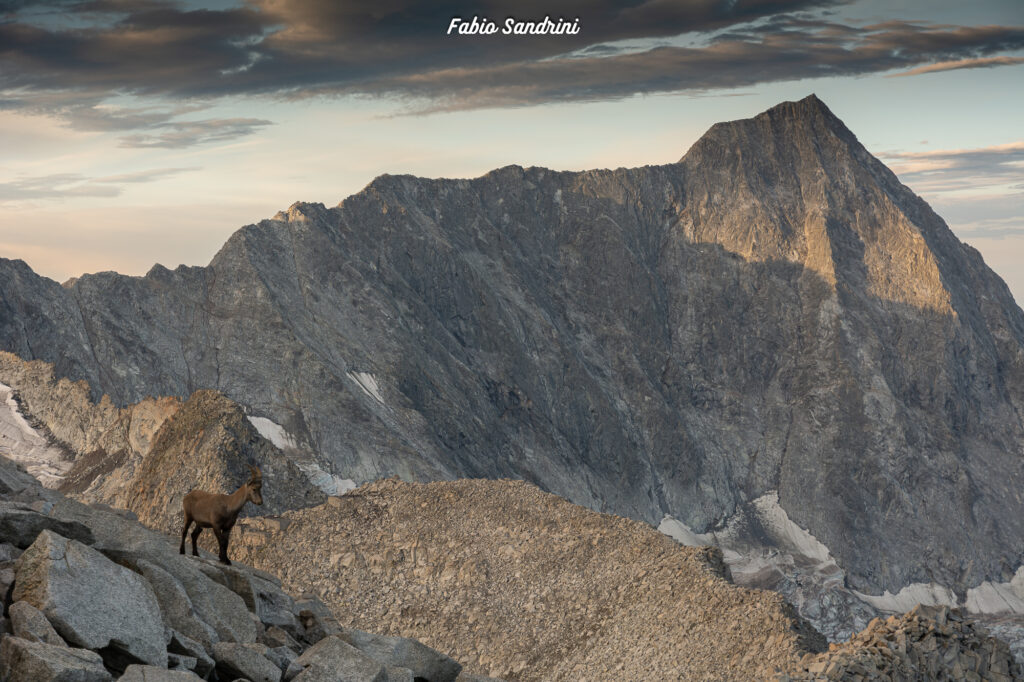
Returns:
<point x="787" y="50"/>
<point x="959" y="170"/>
<point x="188" y="133"/>
<point x="399" y="49"/>
<point x="65" y="185"/>
<point x="979" y="63"/>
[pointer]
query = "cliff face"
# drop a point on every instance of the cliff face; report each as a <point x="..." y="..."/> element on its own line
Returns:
<point x="144" y="457"/>
<point x="774" y="313"/>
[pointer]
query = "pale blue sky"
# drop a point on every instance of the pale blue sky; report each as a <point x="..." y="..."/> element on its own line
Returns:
<point x="83" y="190"/>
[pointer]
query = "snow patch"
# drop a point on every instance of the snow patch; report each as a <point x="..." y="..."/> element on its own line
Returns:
<point x="274" y="432"/>
<point x="329" y="483"/>
<point x="368" y="384"/>
<point x="751" y="560"/>
<point x="318" y="478"/>
<point x="23" y="444"/>
<point x="683" y="534"/>
<point x="787" y="533"/>
<point x="929" y="594"/>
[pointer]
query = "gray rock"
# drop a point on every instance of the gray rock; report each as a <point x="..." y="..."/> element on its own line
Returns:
<point x="333" y="660"/>
<point x="149" y="673"/>
<point x="29" y="623"/>
<point x="215" y="606"/>
<point x="175" y="604"/>
<point x="261" y="593"/>
<point x="316" y="619"/>
<point x="183" y="646"/>
<point x="21" y="525"/>
<point x="7" y="576"/>
<point x="242" y="660"/>
<point x="21" y="659"/>
<point x="181" y="662"/>
<point x="276" y="637"/>
<point x="425" y="663"/>
<point x="8" y="552"/>
<point x="396" y="674"/>
<point x="282" y="656"/>
<point x="91" y="601"/>
<point x="13" y="479"/>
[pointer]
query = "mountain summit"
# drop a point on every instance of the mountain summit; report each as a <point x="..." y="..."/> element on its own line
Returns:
<point x="775" y="314"/>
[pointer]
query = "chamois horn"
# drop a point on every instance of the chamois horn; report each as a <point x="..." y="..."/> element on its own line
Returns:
<point x="255" y="472"/>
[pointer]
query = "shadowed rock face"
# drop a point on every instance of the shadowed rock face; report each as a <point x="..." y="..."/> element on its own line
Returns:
<point x="775" y="312"/>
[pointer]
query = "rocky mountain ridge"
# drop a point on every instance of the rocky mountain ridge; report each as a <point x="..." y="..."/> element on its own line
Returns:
<point x="774" y="314"/>
<point x="145" y="457"/>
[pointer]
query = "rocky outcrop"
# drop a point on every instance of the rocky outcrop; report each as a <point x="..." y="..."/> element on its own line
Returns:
<point x="92" y="602"/>
<point x="118" y="605"/>
<point x="145" y="457"/>
<point x="927" y="643"/>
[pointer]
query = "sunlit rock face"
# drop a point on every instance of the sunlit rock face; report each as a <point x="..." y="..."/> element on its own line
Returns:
<point x="774" y="312"/>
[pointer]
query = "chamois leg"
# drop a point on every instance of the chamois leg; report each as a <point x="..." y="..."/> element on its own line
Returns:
<point x="195" y="536"/>
<point x="184" y="533"/>
<point x="222" y="539"/>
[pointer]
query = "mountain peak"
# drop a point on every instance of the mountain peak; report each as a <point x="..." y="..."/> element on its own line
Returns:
<point x="792" y="122"/>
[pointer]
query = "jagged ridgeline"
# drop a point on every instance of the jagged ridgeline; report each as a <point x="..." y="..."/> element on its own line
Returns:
<point x="774" y="312"/>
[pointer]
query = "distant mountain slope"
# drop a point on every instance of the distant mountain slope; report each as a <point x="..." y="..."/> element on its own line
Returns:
<point x="774" y="313"/>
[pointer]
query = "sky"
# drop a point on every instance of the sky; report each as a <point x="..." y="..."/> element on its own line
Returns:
<point x="135" y="132"/>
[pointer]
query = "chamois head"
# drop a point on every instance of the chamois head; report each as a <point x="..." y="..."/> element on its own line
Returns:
<point x="254" y="487"/>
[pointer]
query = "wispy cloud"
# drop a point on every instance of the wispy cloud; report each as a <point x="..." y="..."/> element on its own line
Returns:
<point x="67" y="185"/>
<point x="979" y="63"/>
<point x="958" y="170"/>
<point x="188" y="133"/>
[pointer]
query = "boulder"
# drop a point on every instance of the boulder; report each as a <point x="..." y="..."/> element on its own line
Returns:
<point x="91" y="601"/>
<point x="333" y="660"/>
<point x="275" y="637"/>
<point x="6" y="584"/>
<point x="8" y="552"/>
<point x="175" y="604"/>
<point x="395" y="674"/>
<point x="181" y="662"/>
<point x="182" y="646"/>
<point x="282" y="656"/>
<point x="261" y="593"/>
<point x="240" y="660"/>
<point x="425" y="663"/>
<point x="13" y="480"/>
<point x="316" y="619"/>
<point x="212" y="603"/>
<point x="29" y="623"/>
<point x="148" y="673"/>
<point x="20" y="525"/>
<point x="21" y="659"/>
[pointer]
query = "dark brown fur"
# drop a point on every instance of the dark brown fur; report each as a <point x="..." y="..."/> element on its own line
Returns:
<point x="219" y="512"/>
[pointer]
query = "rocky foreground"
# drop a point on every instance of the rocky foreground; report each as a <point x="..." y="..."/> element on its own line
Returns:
<point x="90" y="595"/>
<point x="521" y="584"/>
<point x="498" y="575"/>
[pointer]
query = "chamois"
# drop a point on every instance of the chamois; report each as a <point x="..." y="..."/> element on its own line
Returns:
<point x="219" y="512"/>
